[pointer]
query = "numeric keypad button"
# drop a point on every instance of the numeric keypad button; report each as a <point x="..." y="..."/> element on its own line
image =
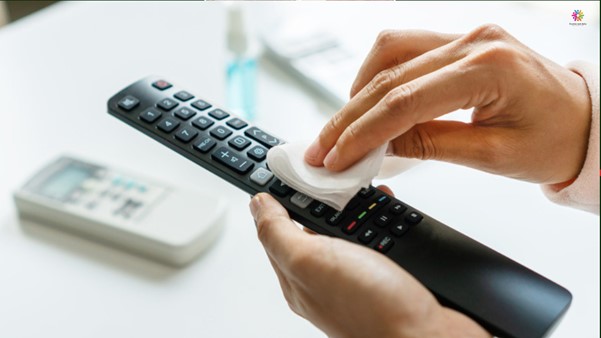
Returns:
<point x="168" y="125"/>
<point x="218" y="114"/>
<point x="167" y="104"/>
<point x="150" y="115"/>
<point x="220" y="132"/>
<point x="202" y="123"/>
<point x="184" y="113"/>
<point x="186" y="134"/>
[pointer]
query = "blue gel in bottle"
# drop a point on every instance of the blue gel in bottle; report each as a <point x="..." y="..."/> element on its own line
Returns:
<point x="242" y="66"/>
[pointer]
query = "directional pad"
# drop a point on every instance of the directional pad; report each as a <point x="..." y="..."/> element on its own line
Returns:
<point x="262" y="137"/>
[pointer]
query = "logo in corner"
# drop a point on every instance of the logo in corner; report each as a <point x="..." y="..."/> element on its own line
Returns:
<point x="578" y="15"/>
<point x="578" y="18"/>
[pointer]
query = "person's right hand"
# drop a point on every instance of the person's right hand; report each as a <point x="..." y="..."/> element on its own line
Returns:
<point x="531" y="117"/>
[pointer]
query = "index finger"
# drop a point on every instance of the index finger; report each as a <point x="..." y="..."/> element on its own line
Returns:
<point x="393" y="47"/>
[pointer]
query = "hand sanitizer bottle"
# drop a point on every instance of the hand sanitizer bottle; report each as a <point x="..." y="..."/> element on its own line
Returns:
<point x="242" y="66"/>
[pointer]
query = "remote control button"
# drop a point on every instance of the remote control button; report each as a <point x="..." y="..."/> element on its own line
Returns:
<point x="186" y="134"/>
<point x="232" y="160"/>
<point x="318" y="209"/>
<point x="184" y="113"/>
<point x="362" y="215"/>
<point x="150" y="115"/>
<point x="279" y="188"/>
<point x="202" y="123"/>
<point x="128" y="103"/>
<point x="201" y="105"/>
<point x="168" y="125"/>
<point x="351" y="228"/>
<point x="382" y="220"/>
<point x="397" y="209"/>
<point x="161" y="84"/>
<point x="239" y="142"/>
<point x="365" y="193"/>
<point x="383" y="200"/>
<point x="236" y="123"/>
<point x="220" y="132"/>
<point x="218" y="114"/>
<point x="352" y="204"/>
<point x="301" y="200"/>
<point x="183" y="96"/>
<point x="335" y="218"/>
<point x="413" y="218"/>
<point x="399" y="229"/>
<point x="167" y="104"/>
<point x="204" y="144"/>
<point x="257" y="153"/>
<point x="367" y="236"/>
<point x="262" y="137"/>
<point x="384" y="244"/>
<point x="261" y="176"/>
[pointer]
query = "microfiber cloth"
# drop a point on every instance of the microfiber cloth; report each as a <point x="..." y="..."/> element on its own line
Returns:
<point x="335" y="189"/>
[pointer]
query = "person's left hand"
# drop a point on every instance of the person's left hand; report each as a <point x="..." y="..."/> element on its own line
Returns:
<point x="348" y="290"/>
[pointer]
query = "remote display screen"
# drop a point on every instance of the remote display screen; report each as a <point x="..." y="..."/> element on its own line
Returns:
<point x="61" y="184"/>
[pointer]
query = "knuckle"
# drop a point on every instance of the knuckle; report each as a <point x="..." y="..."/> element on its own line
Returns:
<point x="333" y="124"/>
<point x="421" y="145"/>
<point x="331" y="128"/>
<point x="382" y="82"/>
<point x="385" y="37"/>
<point x="497" y="53"/>
<point x="353" y="132"/>
<point x="265" y="223"/>
<point x="350" y="136"/>
<point x="400" y="102"/>
<point x="487" y="32"/>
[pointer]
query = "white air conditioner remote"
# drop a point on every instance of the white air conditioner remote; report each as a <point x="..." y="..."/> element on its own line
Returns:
<point x="124" y="210"/>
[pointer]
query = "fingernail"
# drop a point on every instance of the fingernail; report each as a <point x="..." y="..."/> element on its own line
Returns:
<point x="314" y="150"/>
<point x="331" y="158"/>
<point x="255" y="205"/>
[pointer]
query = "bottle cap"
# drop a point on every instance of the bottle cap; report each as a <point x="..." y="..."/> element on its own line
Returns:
<point x="237" y="38"/>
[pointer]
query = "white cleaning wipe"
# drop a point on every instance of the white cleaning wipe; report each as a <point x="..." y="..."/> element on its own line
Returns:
<point x="333" y="188"/>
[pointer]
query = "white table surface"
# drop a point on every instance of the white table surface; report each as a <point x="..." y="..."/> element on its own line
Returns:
<point x="58" y="68"/>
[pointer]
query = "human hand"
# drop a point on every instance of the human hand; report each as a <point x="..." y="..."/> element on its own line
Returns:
<point x="531" y="117"/>
<point x="348" y="290"/>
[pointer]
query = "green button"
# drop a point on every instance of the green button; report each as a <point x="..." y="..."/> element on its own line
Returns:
<point x="362" y="214"/>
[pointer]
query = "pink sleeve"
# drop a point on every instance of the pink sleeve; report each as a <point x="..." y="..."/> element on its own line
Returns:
<point x="583" y="193"/>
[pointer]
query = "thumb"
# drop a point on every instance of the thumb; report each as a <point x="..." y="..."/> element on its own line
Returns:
<point x="449" y="141"/>
<point x="277" y="232"/>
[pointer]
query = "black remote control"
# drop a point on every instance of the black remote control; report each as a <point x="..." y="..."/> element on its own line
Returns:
<point x="503" y="296"/>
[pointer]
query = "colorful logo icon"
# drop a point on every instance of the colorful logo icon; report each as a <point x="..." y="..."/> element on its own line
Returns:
<point x="578" y="15"/>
